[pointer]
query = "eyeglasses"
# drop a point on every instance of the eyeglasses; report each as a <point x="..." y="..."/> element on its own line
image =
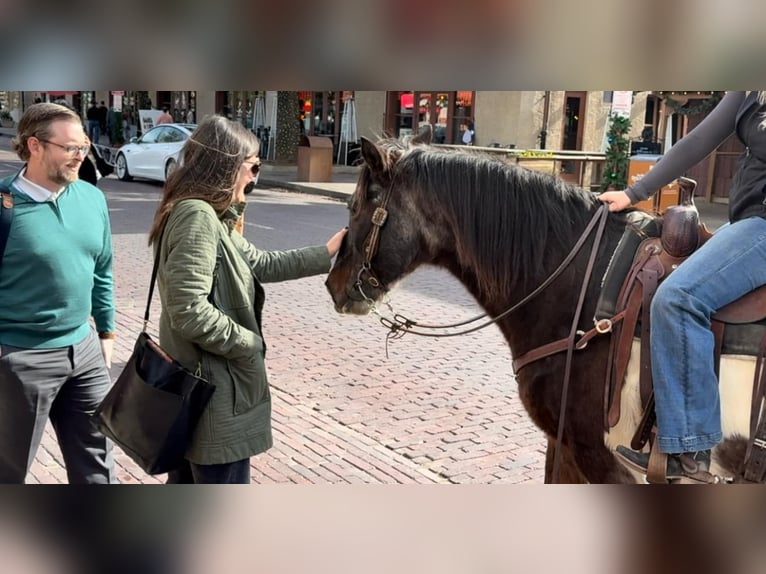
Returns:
<point x="70" y="150"/>
<point x="256" y="167"/>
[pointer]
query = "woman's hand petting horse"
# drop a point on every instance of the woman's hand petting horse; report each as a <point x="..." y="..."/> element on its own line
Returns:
<point x="333" y="245"/>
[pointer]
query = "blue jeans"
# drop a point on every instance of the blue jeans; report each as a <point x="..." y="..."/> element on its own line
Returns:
<point x="730" y="264"/>
<point x="94" y="131"/>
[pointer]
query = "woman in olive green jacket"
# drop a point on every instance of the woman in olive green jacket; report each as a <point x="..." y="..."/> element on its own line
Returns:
<point x="210" y="285"/>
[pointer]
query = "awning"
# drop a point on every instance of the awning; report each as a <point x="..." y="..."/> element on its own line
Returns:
<point x="61" y="93"/>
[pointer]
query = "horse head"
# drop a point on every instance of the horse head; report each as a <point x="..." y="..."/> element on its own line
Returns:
<point x="386" y="229"/>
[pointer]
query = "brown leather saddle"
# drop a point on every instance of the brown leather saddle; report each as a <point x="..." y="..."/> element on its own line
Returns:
<point x="658" y="247"/>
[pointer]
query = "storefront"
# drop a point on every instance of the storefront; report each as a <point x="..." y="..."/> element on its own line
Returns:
<point x="448" y="113"/>
<point x="320" y="113"/>
<point x="182" y="105"/>
<point x="244" y="106"/>
<point x="12" y="102"/>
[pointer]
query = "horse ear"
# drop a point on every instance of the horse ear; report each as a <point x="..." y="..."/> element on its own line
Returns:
<point x="425" y="136"/>
<point x="371" y="155"/>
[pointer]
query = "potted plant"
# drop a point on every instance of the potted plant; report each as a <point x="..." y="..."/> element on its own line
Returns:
<point x="6" y="120"/>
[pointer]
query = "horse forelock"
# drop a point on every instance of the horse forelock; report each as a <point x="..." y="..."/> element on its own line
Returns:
<point x="508" y="220"/>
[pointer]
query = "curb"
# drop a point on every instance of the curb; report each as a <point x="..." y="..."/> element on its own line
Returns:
<point x="307" y="189"/>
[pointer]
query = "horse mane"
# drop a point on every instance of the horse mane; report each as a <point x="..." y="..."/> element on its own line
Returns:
<point x="510" y="219"/>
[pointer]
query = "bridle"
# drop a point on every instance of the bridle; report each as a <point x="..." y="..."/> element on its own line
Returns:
<point x="399" y="325"/>
<point x="371" y="244"/>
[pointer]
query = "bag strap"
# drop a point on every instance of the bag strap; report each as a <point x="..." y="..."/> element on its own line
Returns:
<point x="6" y="216"/>
<point x="153" y="280"/>
<point x="156" y="267"/>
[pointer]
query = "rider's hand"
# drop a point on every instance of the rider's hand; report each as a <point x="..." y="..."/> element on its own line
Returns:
<point x="617" y="200"/>
<point x="333" y="245"/>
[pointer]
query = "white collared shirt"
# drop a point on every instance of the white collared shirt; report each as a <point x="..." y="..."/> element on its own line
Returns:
<point x="37" y="192"/>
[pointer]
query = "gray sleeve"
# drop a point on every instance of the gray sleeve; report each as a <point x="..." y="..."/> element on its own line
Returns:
<point x="692" y="148"/>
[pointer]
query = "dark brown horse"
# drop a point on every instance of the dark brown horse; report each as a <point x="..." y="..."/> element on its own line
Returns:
<point x="501" y="230"/>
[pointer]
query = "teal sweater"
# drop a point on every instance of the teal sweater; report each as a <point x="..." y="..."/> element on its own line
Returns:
<point x="57" y="269"/>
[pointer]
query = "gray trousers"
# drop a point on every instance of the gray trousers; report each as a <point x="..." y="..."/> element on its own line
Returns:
<point x="65" y="384"/>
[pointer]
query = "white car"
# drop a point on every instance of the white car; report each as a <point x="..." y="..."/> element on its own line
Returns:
<point x="155" y="154"/>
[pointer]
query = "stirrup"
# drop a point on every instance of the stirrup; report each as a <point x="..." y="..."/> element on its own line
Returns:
<point x="660" y="468"/>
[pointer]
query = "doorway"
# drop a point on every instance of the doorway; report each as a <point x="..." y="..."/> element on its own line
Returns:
<point x="572" y="133"/>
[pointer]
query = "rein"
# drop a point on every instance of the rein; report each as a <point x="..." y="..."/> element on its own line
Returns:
<point x="399" y="325"/>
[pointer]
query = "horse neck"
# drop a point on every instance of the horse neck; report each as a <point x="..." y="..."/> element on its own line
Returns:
<point x="492" y="282"/>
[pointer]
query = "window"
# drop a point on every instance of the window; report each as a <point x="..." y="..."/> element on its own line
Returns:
<point x="152" y="135"/>
<point x="448" y="113"/>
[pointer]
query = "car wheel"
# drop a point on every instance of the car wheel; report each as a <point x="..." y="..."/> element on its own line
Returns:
<point x="170" y="167"/>
<point x="121" y="167"/>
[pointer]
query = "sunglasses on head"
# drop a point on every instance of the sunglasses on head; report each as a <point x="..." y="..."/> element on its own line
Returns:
<point x="256" y="167"/>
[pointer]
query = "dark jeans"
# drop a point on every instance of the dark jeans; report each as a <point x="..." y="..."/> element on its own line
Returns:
<point x="228" y="473"/>
<point x="65" y="384"/>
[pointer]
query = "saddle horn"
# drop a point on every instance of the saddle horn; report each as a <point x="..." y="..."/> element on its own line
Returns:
<point x="680" y="224"/>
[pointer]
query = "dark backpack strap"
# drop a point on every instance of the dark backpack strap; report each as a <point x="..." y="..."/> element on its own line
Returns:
<point x="6" y="216"/>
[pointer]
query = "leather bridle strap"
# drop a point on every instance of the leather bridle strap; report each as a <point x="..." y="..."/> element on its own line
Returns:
<point x="572" y="334"/>
<point x="402" y="325"/>
<point x="379" y="217"/>
<point x="560" y="345"/>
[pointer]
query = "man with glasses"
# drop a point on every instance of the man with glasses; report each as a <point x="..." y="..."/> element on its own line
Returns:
<point x="55" y="274"/>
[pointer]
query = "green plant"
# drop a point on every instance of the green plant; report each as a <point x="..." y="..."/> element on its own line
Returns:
<point x="617" y="154"/>
<point x="5" y="115"/>
<point x="116" y="128"/>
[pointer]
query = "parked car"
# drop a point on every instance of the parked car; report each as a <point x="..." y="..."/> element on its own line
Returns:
<point x="155" y="154"/>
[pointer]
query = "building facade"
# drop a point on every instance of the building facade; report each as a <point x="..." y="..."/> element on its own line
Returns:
<point x="524" y="120"/>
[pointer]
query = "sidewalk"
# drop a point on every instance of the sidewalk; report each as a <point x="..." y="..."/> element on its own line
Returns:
<point x="344" y="180"/>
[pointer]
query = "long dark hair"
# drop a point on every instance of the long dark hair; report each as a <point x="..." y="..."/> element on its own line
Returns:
<point x="211" y="160"/>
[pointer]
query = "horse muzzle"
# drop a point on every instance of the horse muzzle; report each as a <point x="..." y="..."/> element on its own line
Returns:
<point x="354" y="307"/>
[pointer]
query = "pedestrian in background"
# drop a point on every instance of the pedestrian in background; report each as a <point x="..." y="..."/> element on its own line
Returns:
<point x="94" y="124"/>
<point x="55" y="274"/>
<point x="102" y="113"/>
<point x="212" y="298"/>
<point x="468" y="133"/>
<point x="164" y="117"/>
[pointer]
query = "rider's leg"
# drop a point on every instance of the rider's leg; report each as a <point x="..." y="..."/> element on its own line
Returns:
<point x="731" y="264"/>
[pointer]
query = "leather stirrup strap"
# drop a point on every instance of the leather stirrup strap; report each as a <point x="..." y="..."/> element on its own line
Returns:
<point x="649" y="279"/>
<point x="657" y="471"/>
<point x="623" y="347"/>
<point x="755" y="456"/>
<point x="718" y="331"/>
<point x="621" y="344"/>
<point x="644" y="430"/>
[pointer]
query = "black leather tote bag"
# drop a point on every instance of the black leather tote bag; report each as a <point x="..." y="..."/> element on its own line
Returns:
<point x="153" y="407"/>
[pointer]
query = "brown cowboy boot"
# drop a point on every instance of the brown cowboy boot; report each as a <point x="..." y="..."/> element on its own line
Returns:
<point x="693" y="465"/>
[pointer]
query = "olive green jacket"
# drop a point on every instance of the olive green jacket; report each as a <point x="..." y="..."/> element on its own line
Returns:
<point x="213" y="326"/>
